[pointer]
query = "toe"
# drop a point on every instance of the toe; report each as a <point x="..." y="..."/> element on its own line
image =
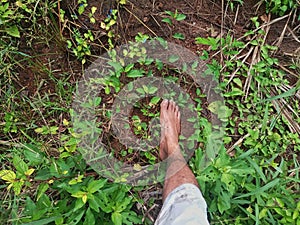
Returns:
<point x="172" y="106"/>
<point x="164" y="104"/>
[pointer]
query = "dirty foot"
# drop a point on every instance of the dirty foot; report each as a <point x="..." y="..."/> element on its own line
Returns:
<point x="170" y="128"/>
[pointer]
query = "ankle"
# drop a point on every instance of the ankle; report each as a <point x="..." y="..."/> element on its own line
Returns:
<point x="173" y="149"/>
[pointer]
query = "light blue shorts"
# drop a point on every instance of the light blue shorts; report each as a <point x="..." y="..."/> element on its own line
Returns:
<point x="185" y="205"/>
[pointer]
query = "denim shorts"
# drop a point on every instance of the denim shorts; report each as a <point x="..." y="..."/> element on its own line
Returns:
<point x="185" y="205"/>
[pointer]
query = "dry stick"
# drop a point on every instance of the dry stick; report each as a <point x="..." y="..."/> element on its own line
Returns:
<point x="238" y="142"/>
<point x="293" y="126"/>
<point x="283" y="31"/>
<point x="236" y="14"/>
<point x="293" y="34"/>
<point x="138" y="19"/>
<point x="255" y="59"/>
<point x="243" y="61"/>
<point x="59" y="19"/>
<point x="222" y="32"/>
<point x="8" y="143"/>
<point x="288" y="71"/>
<point x="262" y="26"/>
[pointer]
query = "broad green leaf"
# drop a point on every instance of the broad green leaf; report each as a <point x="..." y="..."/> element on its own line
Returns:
<point x="116" y="217"/>
<point x="43" y="187"/>
<point x="235" y="92"/>
<point x="180" y="17"/>
<point x="17" y="185"/>
<point x="89" y="217"/>
<point x="95" y="185"/>
<point x="155" y="100"/>
<point x="42" y="221"/>
<point x="135" y="73"/>
<point x="131" y="218"/>
<point x="116" y="65"/>
<point x="167" y="20"/>
<point x="20" y="165"/>
<point x="78" y="194"/>
<point x="13" y="31"/>
<point x="78" y="204"/>
<point x="94" y="204"/>
<point x="8" y="175"/>
<point x="33" y="155"/>
<point x="76" y="217"/>
<point x="121" y="205"/>
<point x="261" y="189"/>
<point x="129" y="67"/>
<point x="238" y="82"/>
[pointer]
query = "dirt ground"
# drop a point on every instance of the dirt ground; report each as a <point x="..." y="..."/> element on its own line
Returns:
<point x="205" y="18"/>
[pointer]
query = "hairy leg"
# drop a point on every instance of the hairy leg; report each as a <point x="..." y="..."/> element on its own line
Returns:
<point x="178" y="172"/>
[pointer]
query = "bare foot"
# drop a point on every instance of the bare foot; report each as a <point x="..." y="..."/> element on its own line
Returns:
<point x="170" y="127"/>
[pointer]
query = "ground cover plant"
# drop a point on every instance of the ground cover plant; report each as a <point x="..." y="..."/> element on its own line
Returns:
<point x="253" y="177"/>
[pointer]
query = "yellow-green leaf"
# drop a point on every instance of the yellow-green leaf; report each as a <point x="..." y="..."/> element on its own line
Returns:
<point x="84" y="198"/>
<point x="39" y="130"/>
<point x="93" y="9"/>
<point x="29" y="172"/>
<point x="7" y="175"/>
<point x="79" y="194"/>
<point x="137" y="167"/>
<point x="18" y="186"/>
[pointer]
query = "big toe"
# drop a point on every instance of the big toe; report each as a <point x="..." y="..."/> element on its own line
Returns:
<point x="164" y="105"/>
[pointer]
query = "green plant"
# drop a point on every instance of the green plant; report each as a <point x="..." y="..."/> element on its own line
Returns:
<point x="251" y="185"/>
<point x="173" y="16"/>
<point x="81" y="48"/>
<point x="280" y="7"/>
<point x="7" y="19"/>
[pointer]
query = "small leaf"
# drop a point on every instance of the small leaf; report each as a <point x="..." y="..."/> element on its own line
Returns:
<point x="180" y="17"/>
<point x="79" y="194"/>
<point x="129" y="67"/>
<point x="17" y="185"/>
<point x="29" y="172"/>
<point x="93" y="9"/>
<point x="7" y="175"/>
<point x="214" y="106"/>
<point x="137" y="167"/>
<point x="179" y="36"/>
<point x="84" y="198"/>
<point x="43" y="187"/>
<point x="116" y="65"/>
<point x="65" y="122"/>
<point x="167" y="20"/>
<point x="173" y="58"/>
<point x="39" y="130"/>
<point x="81" y="9"/>
<point x="155" y="100"/>
<point x="13" y="31"/>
